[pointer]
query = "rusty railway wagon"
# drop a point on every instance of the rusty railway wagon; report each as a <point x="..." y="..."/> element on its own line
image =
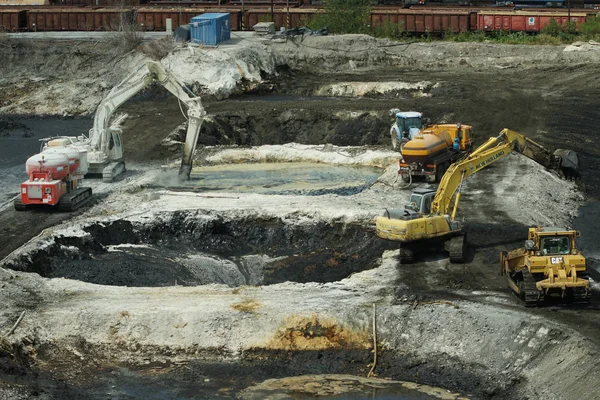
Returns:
<point x="153" y="18"/>
<point x="77" y="18"/>
<point x="12" y="20"/>
<point x="525" y="21"/>
<point x="98" y="3"/>
<point x="282" y="17"/>
<point x="426" y="21"/>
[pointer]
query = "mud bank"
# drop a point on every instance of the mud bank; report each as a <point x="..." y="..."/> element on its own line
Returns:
<point x="314" y="328"/>
<point x="197" y="248"/>
<point x="82" y="74"/>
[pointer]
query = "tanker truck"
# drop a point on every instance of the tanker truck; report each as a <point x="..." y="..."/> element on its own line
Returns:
<point x="54" y="177"/>
<point x="427" y="150"/>
<point x="429" y="153"/>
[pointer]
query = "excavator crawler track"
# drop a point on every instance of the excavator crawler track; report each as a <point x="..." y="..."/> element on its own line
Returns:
<point x="112" y="170"/>
<point x="529" y="292"/>
<point x="406" y="255"/>
<point x="75" y="199"/>
<point x="456" y="248"/>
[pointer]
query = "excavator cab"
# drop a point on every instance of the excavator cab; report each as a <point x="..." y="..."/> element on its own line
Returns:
<point x="420" y="200"/>
<point x="115" y="144"/>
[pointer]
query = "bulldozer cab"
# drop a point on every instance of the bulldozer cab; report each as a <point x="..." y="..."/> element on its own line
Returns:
<point x="553" y="245"/>
<point x="553" y="241"/>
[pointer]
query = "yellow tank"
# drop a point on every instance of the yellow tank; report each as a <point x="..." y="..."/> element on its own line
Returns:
<point x="424" y="147"/>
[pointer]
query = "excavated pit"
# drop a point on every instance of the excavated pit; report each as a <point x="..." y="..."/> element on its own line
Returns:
<point x="455" y="326"/>
<point x="194" y="248"/>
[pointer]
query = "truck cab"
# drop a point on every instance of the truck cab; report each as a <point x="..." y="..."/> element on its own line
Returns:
<point x="462" y="136"/>
<point x="406" y="125"/>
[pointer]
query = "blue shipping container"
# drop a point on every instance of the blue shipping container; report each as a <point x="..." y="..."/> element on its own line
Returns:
<point x="211" y="28"/>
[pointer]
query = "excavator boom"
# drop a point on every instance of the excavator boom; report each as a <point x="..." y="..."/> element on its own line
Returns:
<point x="150" y="72"/>
<point x="491" y="151"/>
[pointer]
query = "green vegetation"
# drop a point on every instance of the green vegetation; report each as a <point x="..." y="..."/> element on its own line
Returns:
<point x="387" y="29"/>
<point x="354" y="16"/>
<point x="553" y="33"/>
<point x="591" y="27"/>
<point x="344" y="16"/>
<point x="509" y="38"/>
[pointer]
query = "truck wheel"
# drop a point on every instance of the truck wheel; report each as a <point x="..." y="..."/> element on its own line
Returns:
<point x="402" y="143"/>
<point x="405" y="178"/>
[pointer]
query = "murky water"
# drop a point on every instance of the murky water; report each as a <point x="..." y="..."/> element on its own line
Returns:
<point x="277" y="178"/>
<point x="200" y="380"/>
<point x="284" y="178"/>
<point x="587" y="224"/>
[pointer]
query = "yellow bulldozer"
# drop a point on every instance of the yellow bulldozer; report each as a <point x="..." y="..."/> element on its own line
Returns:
<point x="549" y="265"/>
<point x="429" y="219"/>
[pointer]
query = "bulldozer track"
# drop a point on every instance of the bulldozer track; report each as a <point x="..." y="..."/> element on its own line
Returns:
<point x="18" y="204"/>
<point x="529" y="292"/>
<point x="582" y="295"/>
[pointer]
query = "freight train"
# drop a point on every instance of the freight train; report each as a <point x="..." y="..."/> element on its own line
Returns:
<point x="417" y="20"/>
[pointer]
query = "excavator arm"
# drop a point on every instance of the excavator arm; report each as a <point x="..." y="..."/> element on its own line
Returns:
<point x="496" y="148"/>
<point x="147" y="74"/>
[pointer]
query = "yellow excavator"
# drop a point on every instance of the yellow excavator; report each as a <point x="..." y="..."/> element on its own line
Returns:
<point x="429" y="220"/>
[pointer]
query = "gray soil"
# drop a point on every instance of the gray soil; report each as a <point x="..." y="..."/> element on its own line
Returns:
<point x="156" y="317"/>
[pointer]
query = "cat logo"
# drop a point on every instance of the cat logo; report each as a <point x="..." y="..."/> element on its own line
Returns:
<point x="556" y="260"/>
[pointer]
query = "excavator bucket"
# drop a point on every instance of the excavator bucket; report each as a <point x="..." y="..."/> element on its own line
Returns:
<point x="569" y="162"/>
